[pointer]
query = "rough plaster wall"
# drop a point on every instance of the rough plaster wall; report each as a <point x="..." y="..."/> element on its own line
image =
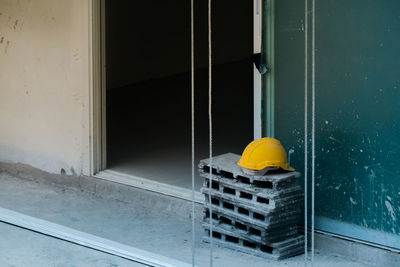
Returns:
<point x="44" y="84"/>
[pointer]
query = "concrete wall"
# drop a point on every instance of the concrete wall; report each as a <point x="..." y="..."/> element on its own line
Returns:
<point x="44" y="84"/>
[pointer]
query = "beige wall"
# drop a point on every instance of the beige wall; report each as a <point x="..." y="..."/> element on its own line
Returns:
<point x="44" y="84"/>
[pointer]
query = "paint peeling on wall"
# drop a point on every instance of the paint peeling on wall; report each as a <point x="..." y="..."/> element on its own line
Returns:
<point x="6" y="47"/>
<point x="15" y="24"/>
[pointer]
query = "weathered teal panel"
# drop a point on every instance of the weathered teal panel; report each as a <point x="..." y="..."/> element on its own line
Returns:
<point x="357" y="106"/>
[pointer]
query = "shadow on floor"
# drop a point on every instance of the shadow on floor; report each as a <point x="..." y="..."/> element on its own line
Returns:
<point x="149" y="123"/>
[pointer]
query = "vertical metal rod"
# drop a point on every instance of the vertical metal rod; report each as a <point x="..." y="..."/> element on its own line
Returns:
<point x="272" y="63"/>
<point x="192" y="126"/>
<point x="210" y="121"/>
<point x="305" y="131"/>
<point x="269" y="21"/>
<point x="313" y="136"/>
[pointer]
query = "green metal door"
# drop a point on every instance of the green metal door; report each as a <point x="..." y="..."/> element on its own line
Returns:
<point x="357" y="111"/>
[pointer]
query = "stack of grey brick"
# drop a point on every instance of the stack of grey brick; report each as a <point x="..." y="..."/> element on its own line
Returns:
<point x="252" y="214"/>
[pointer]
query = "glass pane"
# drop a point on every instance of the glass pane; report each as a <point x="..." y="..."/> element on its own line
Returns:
<point x="357" y="122"/>
<point x="357" y="112"/>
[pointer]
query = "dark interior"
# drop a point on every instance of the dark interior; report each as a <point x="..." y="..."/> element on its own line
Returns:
<point x="148" y="85"/>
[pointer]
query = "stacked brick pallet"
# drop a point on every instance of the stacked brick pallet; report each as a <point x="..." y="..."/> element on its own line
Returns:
<point x="252" y="214"/>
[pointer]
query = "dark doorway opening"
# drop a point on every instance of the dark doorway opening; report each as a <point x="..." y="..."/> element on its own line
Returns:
<point x="148" y="85"/>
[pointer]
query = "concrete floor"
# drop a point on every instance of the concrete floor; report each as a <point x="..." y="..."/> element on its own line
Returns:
<point x="20" y="247"/>
<point x="154" y="228"/>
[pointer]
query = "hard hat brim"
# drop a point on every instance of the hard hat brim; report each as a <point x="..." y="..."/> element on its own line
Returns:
<point x="265" y="170"/>
<point x="264" y="165"/>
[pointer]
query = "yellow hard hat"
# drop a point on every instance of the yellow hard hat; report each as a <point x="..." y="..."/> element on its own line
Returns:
<point x="264" y="153"/>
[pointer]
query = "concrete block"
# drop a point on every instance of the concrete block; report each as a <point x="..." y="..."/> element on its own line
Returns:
<point x="233" y="186"/>
<point x="248" y="219"/>
<point x="269" y="206"/>
<point x="226" y="165"/>
<point x="253" y="233"/>
<point x="251" y="213"/>
<point x="281" y="245"/>
<point x="278" y="250"/>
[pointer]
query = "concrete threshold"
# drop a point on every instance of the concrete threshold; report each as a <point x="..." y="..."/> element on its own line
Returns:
<point x="115" y="186"/>
<point x="148" y="220"/>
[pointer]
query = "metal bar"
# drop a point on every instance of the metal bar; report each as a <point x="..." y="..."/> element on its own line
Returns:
<point x="103" y="89"/>
<point x="305" y="131"/>
<point x="192" y="121"/>
<point x="87" y="240"/>
<point x="210" y="114"/>
<point x="313" y="133"/>
<point x="257" y="95"/>
<point x="270" y="76"/>
<point x="358" y="234"/>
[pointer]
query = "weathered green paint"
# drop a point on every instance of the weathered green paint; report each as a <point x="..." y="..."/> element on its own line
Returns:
<point x="357" y="106"/>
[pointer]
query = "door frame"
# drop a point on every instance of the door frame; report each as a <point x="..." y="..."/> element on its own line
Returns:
<point x="97" y="44"/>
<point x="257" y="41"/>
<point x="97" y="88"/>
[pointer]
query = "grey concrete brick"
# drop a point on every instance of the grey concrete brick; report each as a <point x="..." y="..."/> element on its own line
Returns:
<point x="251" y="213"/>
<point x="246" y="219"/>
<point x="281" y="246"/>
<point x="252" y="204"/>
<point x="264" y="231"/>
<point x="252" y="233"/>
<point x="253" y="217"/>
<point x="226" y="165"/>
<point x="276" y="251"/>
<point x="220" y="182"/>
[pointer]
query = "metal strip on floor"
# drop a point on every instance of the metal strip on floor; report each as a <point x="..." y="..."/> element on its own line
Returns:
<point x="87" y="240"/>
<point x="150" y="185"/>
